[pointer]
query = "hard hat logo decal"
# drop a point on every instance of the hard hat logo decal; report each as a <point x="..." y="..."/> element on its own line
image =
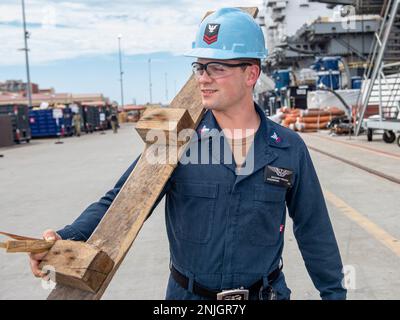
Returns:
<point x="211" y="33"/>
<point x="212" y="27"/>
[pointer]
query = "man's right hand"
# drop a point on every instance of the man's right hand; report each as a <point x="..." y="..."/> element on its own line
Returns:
<point x="36" y="258"/>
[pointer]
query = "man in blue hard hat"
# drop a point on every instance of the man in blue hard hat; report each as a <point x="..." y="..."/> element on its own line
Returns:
<point x="226" y="219"/>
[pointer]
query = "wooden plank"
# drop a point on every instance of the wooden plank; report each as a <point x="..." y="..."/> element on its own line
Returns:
<point x="122" y="222"/>
<point x="31" y="246"/>
<point x="79" y="264"/>
<point x="24" y="244"/>
<point x="164" y="124"/>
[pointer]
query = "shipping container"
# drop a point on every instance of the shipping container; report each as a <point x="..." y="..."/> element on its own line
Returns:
<point x="20" y="121"/>
<point x="91" y="118"/>
<point x="6" y="131"/>
<point x="50" y="122"/>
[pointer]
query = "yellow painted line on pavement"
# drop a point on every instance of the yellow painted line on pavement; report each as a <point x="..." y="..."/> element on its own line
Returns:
<point x="378" y="233"/>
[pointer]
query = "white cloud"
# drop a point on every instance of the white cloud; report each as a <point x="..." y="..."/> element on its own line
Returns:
<point x="68" y="29"/>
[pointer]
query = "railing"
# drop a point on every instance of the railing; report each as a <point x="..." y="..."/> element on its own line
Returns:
<point x="376" y="57"/>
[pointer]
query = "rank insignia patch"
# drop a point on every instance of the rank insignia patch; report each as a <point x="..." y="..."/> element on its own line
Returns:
<point x="211" y="33"/>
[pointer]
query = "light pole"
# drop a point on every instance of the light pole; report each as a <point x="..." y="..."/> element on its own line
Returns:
<point x="150" y="84"/>
<point x="175" y="86"/>
<point x="166" y="87"/>
<point x="26" y="37"/>
<point x="120" y="71"/>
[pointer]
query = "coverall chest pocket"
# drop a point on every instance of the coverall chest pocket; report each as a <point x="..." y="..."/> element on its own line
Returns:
<point x="193" y="211"/>
<point x="267" y="216"/>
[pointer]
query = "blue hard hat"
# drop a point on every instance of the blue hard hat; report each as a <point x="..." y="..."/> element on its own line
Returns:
<point x="229" y="33"/>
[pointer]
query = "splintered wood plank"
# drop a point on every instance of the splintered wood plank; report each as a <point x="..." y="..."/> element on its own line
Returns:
<point x="122" y="222"/>
<point x="79" y="264"/>
<point x="31" y="246"/>
<point x="164" y="123"/>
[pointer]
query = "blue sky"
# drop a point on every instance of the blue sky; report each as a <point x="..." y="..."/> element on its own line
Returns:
<point x="100" y="74"/>
<point x="74" y="44"/>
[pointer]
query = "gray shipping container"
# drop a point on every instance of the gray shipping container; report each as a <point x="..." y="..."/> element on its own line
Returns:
<point x="6" y="131"/>
<point x="19" y="115"/>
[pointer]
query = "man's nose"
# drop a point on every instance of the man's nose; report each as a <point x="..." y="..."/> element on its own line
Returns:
<point x="204" y="78"/>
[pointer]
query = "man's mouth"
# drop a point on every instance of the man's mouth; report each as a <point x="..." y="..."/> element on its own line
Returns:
<point x="208" y="92"/>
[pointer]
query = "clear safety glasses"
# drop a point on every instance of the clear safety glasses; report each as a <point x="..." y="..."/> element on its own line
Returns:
<point x="215" y="70"/>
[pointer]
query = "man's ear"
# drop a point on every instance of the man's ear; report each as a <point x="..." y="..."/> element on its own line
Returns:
<point x="253" y="72"/>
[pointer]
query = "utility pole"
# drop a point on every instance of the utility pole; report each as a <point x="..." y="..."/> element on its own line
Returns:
<point x="150" y="84"/>
<point x="26" y="37"/>
<point x="120" y="71"/>
<point x="175" y="87"/>
<point x="166" y="87"/>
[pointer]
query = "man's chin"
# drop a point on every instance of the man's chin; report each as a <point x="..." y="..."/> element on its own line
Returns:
<point x="207" y="105"/>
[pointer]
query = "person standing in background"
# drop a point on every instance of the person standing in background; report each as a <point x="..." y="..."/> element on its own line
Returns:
<point x="114" y="123"/>
<point x="77" y="123"/>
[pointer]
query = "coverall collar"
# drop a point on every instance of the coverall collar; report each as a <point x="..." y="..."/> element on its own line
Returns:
<point x="267" y="138"/>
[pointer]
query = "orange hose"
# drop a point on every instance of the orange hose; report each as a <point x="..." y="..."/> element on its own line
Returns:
<point x="306" y="126"/>
<point x="318" y="112"/>
<point x="314" y="119"/>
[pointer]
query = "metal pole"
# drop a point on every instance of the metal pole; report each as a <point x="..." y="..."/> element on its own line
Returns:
<point x="26" y="36"/>
<point x="175" y="86"/>
<point x="120" y="71"/>
<point x="166" y="87"/>
<point x="150" y="84"/>
<point x="380" y="96"/>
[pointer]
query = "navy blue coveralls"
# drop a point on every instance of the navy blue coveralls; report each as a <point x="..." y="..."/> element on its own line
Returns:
<point x="227" y="231"/>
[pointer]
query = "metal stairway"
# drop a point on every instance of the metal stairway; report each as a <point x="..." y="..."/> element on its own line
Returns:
<point x="382" y="75"/>
<point x="385" y="49"/>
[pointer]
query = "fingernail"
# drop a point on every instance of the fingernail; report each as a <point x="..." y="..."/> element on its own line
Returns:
<point x="51" y="238"/>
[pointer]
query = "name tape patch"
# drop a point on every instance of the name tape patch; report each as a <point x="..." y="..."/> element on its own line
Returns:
<point x="278" y="176"/>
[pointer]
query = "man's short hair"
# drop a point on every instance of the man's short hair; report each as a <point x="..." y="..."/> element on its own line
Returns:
<point x="252" y="61"/>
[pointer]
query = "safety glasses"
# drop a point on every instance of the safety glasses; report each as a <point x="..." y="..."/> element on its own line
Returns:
<point x="215" y="70"/>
